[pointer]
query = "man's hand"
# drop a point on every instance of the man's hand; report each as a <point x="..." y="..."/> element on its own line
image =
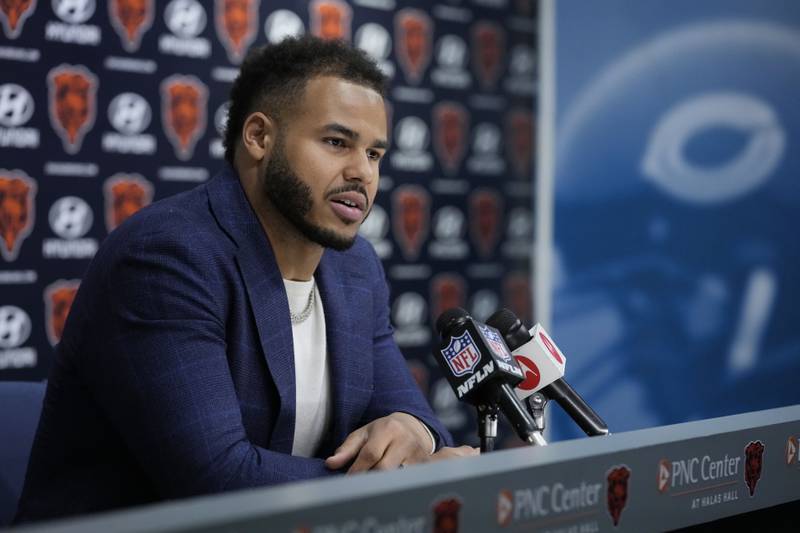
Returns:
<point x="452" y="453"/>
<point x="383" y="444"/>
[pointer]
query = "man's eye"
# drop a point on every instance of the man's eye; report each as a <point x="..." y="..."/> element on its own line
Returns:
<point x="375" y="156"/>
<point x="333" y="141"/>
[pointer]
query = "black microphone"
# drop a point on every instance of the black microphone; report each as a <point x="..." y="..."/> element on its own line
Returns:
<point x="481" y="369"/>
<point x="518" y="338"/>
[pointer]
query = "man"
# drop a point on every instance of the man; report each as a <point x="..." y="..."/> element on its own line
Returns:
<point x="237" y="335"/>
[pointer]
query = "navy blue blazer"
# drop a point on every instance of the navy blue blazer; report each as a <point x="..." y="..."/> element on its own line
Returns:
<point x="175" y="373"/>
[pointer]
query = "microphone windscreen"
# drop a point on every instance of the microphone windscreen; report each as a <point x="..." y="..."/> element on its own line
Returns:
<point x="503" y="320"/>
<point x="447" y="318"/>
<point x="510" y="327"/>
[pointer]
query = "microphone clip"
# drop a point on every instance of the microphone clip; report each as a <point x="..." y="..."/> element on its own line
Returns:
<point x="536" y="403"/>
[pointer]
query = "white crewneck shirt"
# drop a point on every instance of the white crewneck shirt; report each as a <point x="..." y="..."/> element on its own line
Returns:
<point x="311" y="370"/>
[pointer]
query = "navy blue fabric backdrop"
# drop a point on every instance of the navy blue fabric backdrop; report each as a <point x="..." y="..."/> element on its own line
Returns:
<point x="107" y="106"/>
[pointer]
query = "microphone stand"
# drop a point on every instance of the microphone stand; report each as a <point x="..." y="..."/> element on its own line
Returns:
<point x="487" y="426"/>
<point x="536" y="403"/>
<point x="487" y="422"/>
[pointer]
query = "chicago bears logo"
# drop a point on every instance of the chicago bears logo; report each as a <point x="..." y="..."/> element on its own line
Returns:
<point x="183" y="112"/>
<point x="754" y="460"/>
<point x="445" y="515"/>
<point x="17" y="193"/>
<point x="519" y="128"/>
<point x="617" y="494"/>
<point x="131" y="19"/>
<point x="450" y="127"/>
<point x="517" y="295"/>
<point x="413" y="31"/>
<point x="484" y="220"/>
<point x="420" y="373"/>
<point x="13" y="14"/>
<point x="791" y="450"/>
<point x="125" y="194"/>
<point x="448" y="290"/>
<point x="58" y="299"/>
<point x="72" y="103"/>
<point x="330" y="19"/>
<point x="488" y="43"/>
<point x="410" y="218"/>
<point x="235" y="21"/>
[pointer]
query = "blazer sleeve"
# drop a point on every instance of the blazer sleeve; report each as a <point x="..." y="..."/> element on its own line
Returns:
<point x="394" y="388"/>
<point x="160" y="372"/>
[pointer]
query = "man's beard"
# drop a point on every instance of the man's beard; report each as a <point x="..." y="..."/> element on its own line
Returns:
<point x="292" y="198"/>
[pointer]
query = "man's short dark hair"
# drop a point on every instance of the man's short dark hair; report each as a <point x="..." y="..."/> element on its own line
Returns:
<point x="273" y="78"/>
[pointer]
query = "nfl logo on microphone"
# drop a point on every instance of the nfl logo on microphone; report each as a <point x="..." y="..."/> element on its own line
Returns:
<point x="495" y="341"/>
<point x="461" y="355"/>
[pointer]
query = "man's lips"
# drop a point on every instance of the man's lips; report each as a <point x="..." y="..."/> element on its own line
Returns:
<point x="350" y="206"/>
<point x="354" y="199"/>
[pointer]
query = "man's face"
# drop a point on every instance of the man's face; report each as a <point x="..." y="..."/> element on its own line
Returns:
<point x="322" y="173"/>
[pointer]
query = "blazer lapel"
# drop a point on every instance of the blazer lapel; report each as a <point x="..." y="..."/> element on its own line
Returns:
<point x="349" y="341"/>
<point x="267" y="295"/>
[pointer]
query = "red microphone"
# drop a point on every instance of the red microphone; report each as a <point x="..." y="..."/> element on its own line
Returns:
<point x="543" y="365"/>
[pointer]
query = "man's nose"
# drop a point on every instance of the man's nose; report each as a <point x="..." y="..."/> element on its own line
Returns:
<point x="360" y="167"/>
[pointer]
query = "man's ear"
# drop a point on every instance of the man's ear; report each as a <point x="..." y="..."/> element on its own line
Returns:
<point x="258" y="135"/>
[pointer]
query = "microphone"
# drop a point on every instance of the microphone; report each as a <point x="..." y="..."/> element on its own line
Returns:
<point x="544" y="363"/>
<point x="481" y="369"/>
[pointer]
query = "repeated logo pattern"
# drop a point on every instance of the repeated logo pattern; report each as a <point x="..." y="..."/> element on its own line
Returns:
<point x="125" y="194"/>
<point x="16" y="105"/>
<point x="410" y="218"/>
<point x="131" y="19"/>
<point x="17" y="192"/>
<point x="330" y="19"/>
<point x="488" y="45"/>
<point x="58" y="297"/>
<point x="485" y="206"/>
<point x="183" y="112"/>
<point x="72" y="104"/>
<point x="414" y="34"/>
<point x="235" y="21"/>
<point x="450" y="123"/>
<point x="13" y="14"/>
<point x="109" y="106"/>
<point x="15" y="327"/>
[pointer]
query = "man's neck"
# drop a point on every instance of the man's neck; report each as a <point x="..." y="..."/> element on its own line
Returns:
<point x="297" y="257"/>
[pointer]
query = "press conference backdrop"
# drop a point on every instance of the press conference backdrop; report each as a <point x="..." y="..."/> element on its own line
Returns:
<point x="675" y="283"/>
<point x="108" y="106"/>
